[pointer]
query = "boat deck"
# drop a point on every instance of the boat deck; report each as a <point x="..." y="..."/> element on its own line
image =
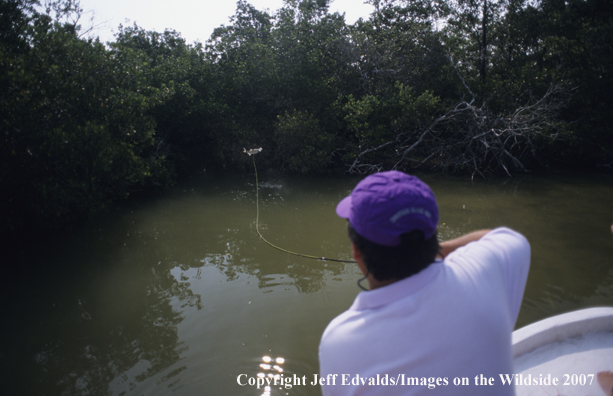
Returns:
<point x="571" y="348"/>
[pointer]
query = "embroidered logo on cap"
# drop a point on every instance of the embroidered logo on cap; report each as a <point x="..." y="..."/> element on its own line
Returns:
<point x="408" y="211"/>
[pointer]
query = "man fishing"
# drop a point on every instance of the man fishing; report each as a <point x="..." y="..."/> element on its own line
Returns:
<point x="438" y="318"/>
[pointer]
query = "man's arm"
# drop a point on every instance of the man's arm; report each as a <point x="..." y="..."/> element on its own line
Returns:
<point x="449" y="246"/>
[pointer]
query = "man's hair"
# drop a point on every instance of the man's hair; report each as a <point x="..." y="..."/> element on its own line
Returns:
<point x="396" y="262"/>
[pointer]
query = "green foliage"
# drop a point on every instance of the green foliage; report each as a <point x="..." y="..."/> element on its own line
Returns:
<point x="419" y="82"/>
<point x="397" y="119"/>
<point x="400" y="44"/>
<point x="76" y="134"/>
<point x="15" y="17"/>
<point x="302" y="145"/>
<point x="561" y="42"/>
<point x="575" y="51"/>
<point x="190" y="117"/>
<point x="269" y="66"/>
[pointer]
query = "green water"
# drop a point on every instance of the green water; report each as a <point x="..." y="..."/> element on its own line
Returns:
<point x="178" y="295"/>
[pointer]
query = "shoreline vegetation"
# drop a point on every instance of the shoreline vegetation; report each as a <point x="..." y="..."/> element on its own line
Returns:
<point x="478" y="88"/>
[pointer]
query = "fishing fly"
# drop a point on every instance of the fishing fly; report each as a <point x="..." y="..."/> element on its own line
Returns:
<point x="252" y="151"/>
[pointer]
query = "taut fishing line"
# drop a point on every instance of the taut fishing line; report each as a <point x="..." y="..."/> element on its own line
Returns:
<point x="257" y="217"/>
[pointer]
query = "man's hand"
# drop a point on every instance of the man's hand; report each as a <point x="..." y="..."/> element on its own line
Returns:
<point x="452" y="244"/>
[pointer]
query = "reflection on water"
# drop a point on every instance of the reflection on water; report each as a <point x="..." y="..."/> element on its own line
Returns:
<point x="271" y="377"/>
<point x="178" y="294"/>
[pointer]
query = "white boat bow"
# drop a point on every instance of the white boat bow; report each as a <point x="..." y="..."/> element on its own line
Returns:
<point x="572" y="347"/>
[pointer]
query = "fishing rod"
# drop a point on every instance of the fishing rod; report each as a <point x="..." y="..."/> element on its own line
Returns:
<point x="252" y="152"/>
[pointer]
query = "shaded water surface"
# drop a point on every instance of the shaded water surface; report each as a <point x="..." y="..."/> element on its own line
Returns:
<point x="178" y="295"/>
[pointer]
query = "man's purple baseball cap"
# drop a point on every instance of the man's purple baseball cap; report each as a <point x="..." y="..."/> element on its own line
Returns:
<point x="385" y="205"/>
